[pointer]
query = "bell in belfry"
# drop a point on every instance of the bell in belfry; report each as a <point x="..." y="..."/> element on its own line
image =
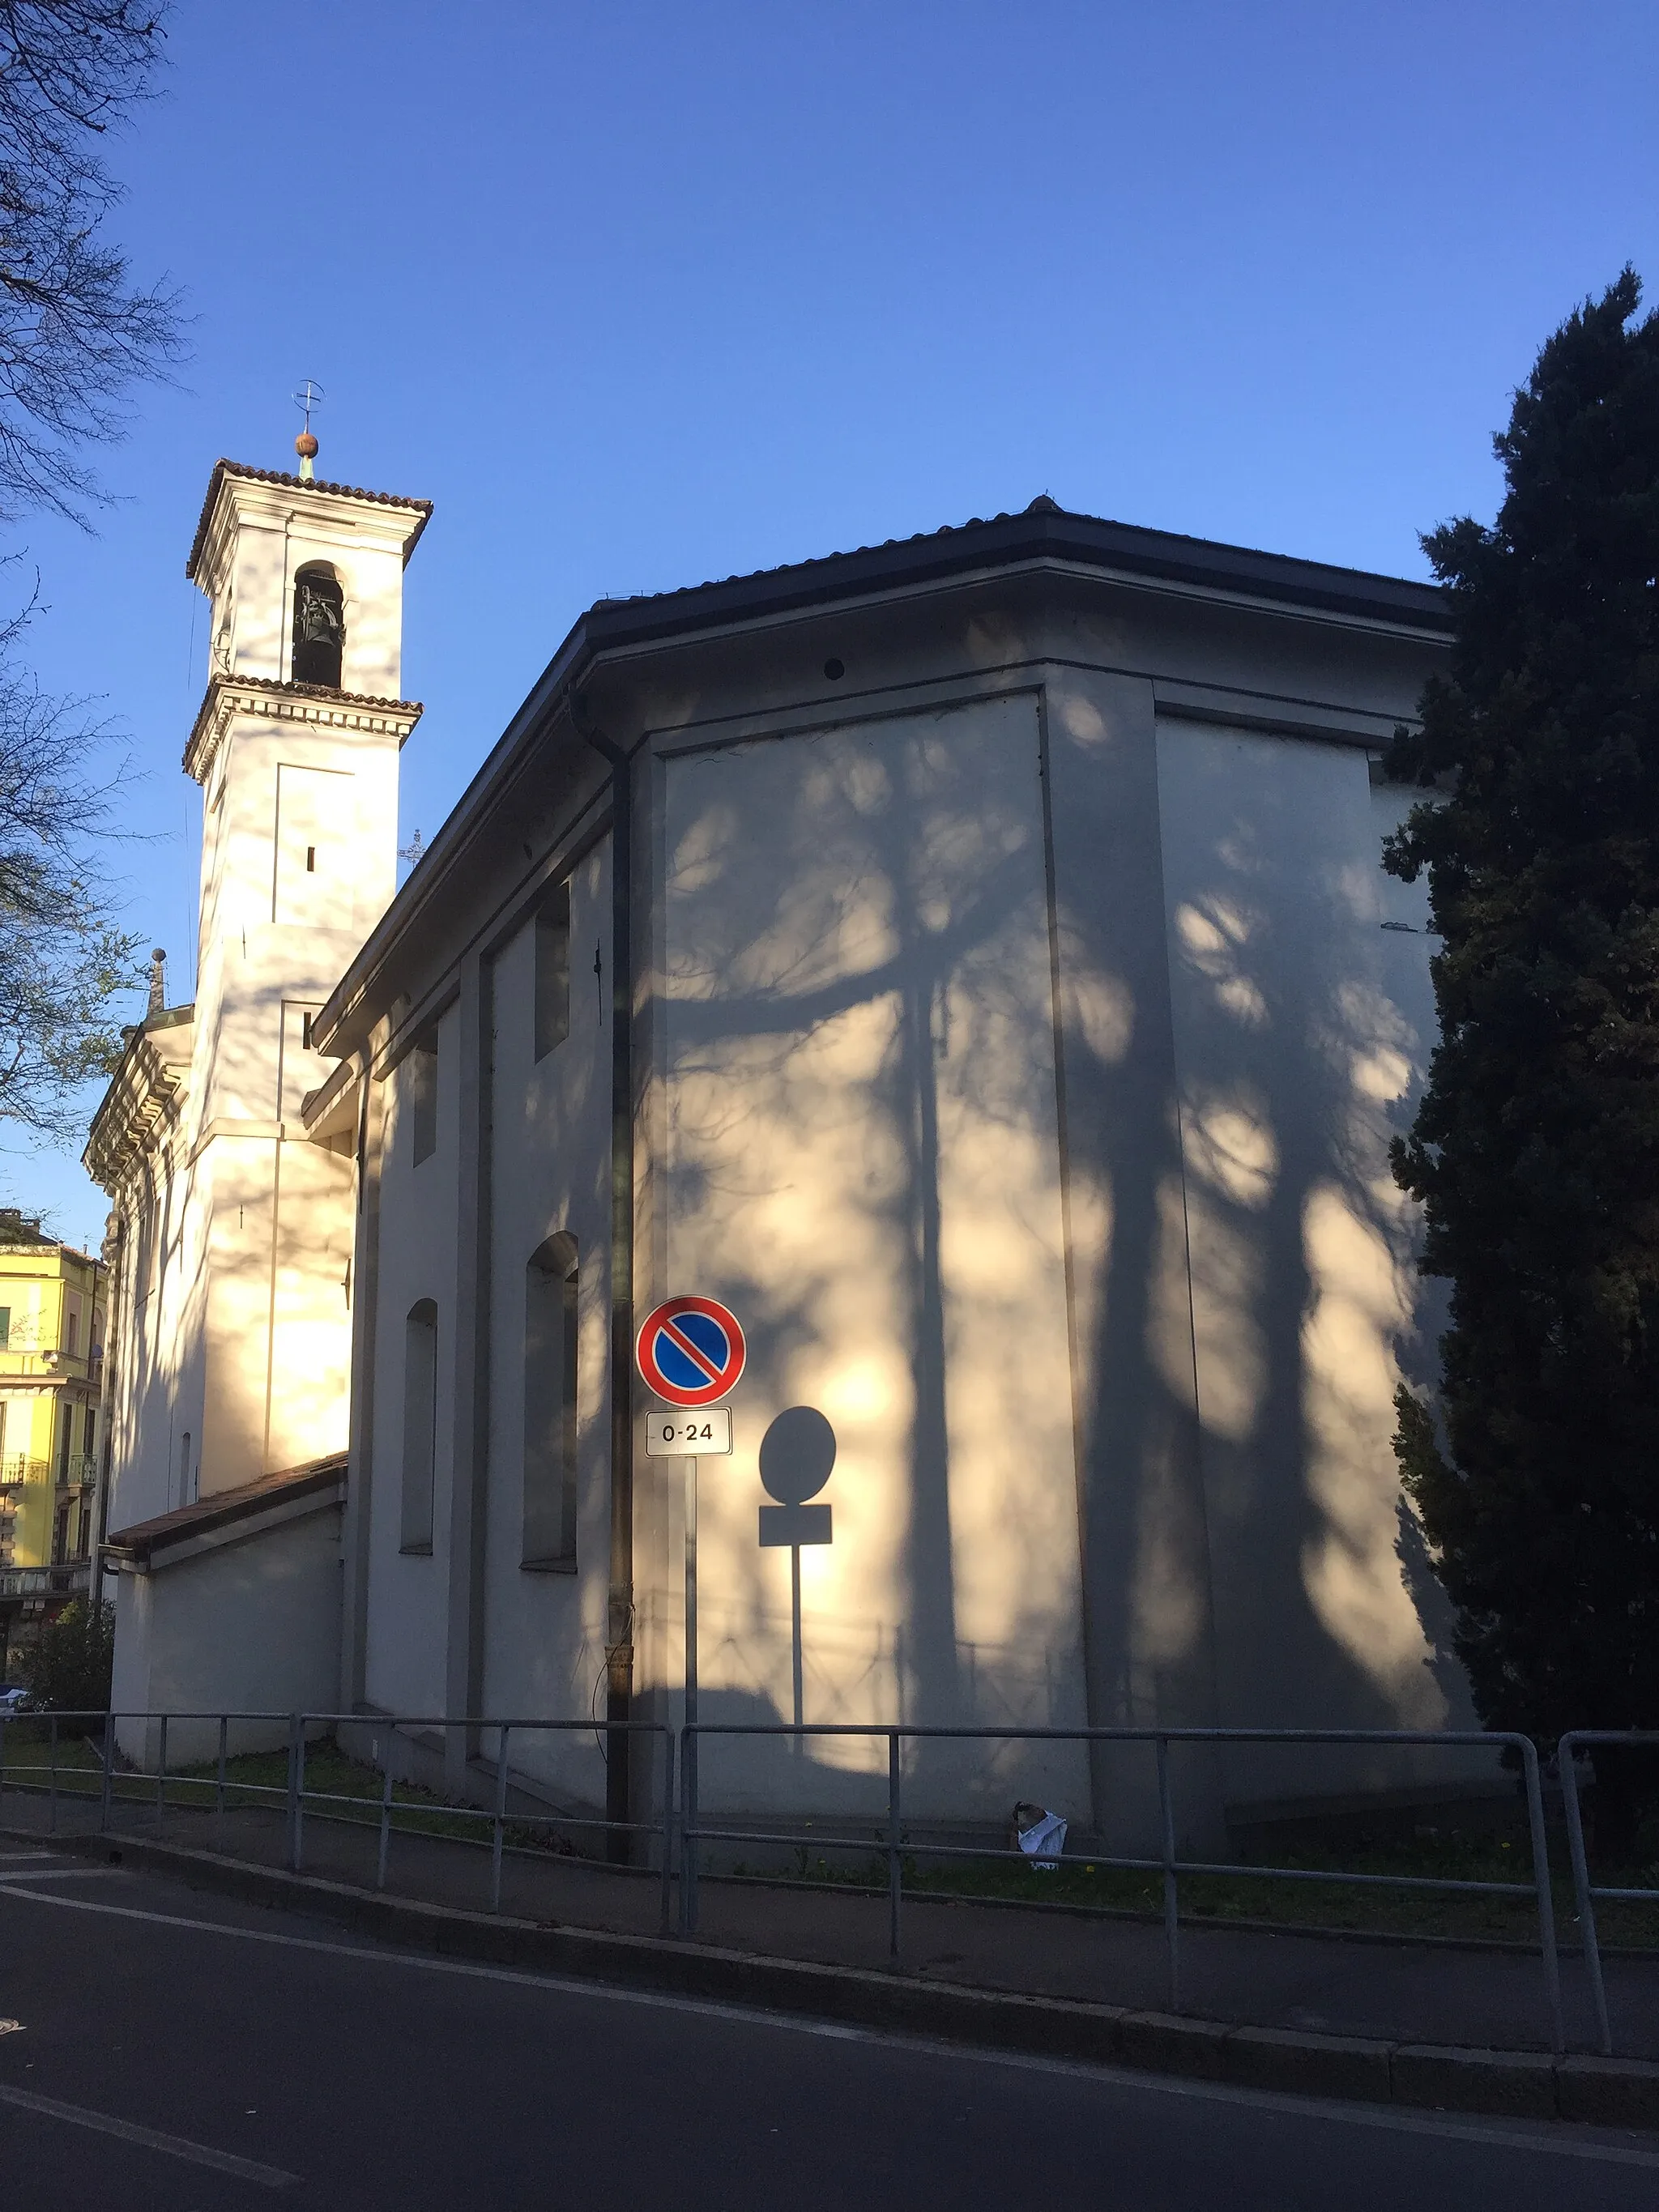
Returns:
<point x="318" y="628"/>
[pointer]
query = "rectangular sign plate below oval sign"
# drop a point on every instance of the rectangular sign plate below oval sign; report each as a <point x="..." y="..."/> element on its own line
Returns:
<point x="706" y="1433"/>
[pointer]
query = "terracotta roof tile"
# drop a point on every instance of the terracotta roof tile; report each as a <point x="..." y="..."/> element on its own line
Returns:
<point x="220" y="1509"/>
<point x="222" y="469"/>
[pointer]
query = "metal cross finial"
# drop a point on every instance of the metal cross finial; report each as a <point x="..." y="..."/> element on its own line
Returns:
<point x="309" y="395"/>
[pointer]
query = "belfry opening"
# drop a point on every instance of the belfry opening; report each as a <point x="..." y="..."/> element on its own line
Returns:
<point x="319" y="626"/>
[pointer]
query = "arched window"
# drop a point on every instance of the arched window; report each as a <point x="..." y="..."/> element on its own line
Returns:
<point x="549" y="1406"/>
<point x="318" y="625"/>
<point x="420" y="1424"/>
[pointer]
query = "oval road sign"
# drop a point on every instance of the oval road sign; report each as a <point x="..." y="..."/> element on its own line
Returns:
<point x="691" y="1351"/>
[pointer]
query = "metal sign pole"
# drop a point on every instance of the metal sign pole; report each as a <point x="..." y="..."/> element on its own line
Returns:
<point x="689" y="1773"/>
<point x="795" y="1616"/>
<point x="690" y="1592"/>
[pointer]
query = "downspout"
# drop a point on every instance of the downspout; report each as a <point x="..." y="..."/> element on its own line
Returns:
<point x="619" y="1632"/>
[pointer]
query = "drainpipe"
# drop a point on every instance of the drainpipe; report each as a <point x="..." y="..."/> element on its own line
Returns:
<point x="619" y="1633"/>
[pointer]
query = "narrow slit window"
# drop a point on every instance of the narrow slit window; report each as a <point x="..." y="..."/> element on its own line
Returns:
<point x="549" y="1406"/>
<point x="553" y="971"/>
<point x="311" y="859"/>
<point x="422" y="1079"/>
<point x="420" y="1426"/>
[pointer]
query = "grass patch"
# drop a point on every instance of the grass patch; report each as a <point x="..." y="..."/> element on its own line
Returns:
<point x="336" y="1787"/>
<point x="1079" y="1883"/>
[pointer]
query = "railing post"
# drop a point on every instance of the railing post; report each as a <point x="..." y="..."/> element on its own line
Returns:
<point x="219" y="1789"/>
<point x="1171" y="1901"/>
<point x="895" y="1868"/>
<point x="1567" y="1767"/>
<point x="161" y="1777"/>
<point x="106" y="1787"/>
<point x="51" y="1786"/>
<point x="1540" y="1875"/>
<point x="498" y="1823"/>
<point x="296" y="1753"/>
<point x="5" y="1725"/>
<point x="385" y="1817"/>
<point x="667" y="1827"/>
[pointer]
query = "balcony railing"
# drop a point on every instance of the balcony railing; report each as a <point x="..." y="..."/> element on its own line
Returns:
<point x="44" y="1581"/>
<point x="18" y="1467"/>
<point x="79" y="1467"/>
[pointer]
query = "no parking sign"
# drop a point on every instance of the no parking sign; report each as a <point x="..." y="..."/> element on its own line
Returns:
<point x="691" y="1351"/>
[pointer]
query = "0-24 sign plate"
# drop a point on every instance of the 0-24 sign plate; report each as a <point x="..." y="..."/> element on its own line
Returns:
<point x="704" y="1432"/>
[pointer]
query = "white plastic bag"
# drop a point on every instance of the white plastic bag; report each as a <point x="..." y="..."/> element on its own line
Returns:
<point x="1044" y="1841"/>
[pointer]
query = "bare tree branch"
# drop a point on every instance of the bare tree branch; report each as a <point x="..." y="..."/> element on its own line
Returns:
<point x="75" y="333"/>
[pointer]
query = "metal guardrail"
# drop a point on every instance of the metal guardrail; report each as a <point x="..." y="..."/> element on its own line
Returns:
<point x="295" y="1798"/>
<point x="1167" y="1864"/>
<point x="1586" y="1892"/>
<point x="18" y="1467"/>
<point x="296" y="1802"/>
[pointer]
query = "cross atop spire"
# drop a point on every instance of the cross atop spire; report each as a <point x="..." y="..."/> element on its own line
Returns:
<point x="309" y="395"/>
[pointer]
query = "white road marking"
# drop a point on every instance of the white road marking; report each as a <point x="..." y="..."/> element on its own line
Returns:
<point x="1551" y="2137"/>
<point x="57" y="1874"/>
<point x="106" y="2124"/>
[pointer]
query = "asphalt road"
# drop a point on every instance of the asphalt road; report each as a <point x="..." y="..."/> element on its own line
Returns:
<point x="191" y="2055"/>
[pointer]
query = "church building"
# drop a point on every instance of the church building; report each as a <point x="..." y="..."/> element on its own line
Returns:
<point x="969" y="960"/>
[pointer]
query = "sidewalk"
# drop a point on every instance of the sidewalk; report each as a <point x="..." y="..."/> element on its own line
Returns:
<point x="1383" y="1989"/>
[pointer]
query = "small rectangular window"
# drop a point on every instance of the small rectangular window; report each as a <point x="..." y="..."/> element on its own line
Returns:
<point x="553" y="971"/>
<point x="422" y="1080"/>
<point x="420" y="1426"/>
<point x="311" y="859"/>
<point x="72" y="1336"/>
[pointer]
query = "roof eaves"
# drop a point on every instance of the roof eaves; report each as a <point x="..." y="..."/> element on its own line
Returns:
<point x="1042" y="531"/>
<point x="222" y="469"/>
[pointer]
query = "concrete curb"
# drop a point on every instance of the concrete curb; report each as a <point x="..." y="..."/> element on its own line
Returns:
<point x="1509" y="2084"/>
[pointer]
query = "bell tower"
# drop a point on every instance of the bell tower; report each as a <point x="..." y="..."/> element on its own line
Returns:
<point x="296" y="747"/>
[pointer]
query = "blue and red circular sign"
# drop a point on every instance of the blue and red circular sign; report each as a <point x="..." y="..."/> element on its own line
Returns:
<point x="691" y="1351"/>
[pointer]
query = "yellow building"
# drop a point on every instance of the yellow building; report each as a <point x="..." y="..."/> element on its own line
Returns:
<point x="53" y="1316"/>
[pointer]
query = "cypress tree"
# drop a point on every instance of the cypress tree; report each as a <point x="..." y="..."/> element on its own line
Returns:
<point x="1535" y="1150"/>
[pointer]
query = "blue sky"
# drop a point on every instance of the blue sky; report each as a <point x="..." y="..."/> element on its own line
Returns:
<point x="641" y="294"/>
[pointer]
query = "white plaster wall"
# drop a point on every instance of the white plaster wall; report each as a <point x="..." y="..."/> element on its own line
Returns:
<point x="159" y="1364"/>
<point x="1302" y="1031"/>
<point x="251" y="1627"/>
<point x="408" y="1600"/>
<point x="861" y="1155"/>
<point x="543" y="1642"/>
<point x="277" y="530"/>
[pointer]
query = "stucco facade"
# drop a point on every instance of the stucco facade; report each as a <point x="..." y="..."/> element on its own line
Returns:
<point x="53" y="1321"/>
<point x="231" y="1229"/>
<point x="970" y="960"/>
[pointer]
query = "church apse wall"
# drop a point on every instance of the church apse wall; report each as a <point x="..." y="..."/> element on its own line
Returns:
<point x="860" y="1153"/>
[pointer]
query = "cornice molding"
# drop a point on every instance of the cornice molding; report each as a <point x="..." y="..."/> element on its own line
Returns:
<point x="144" y="1094"/>
<point x="312" y="704"/>
<point x="232" y="481"/>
